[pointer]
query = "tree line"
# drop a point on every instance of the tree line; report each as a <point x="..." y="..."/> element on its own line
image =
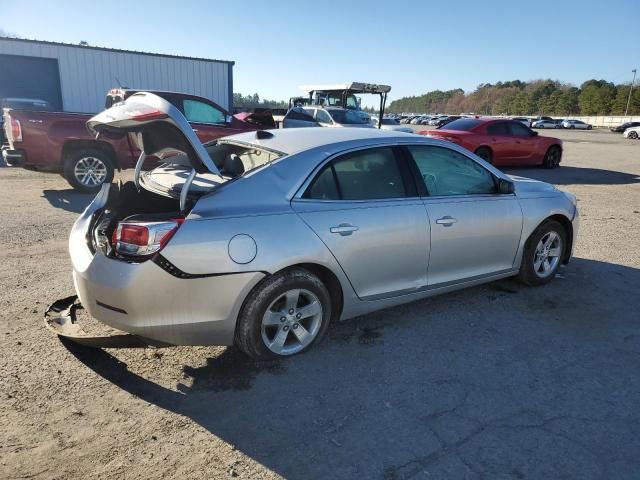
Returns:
<point x="254" y="101"/>
<point x="538" y="97"/>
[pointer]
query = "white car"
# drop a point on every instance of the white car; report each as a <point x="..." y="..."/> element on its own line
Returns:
<point x="576" y="124"/>
<point x="545" y="124"/>
<point x="633" y="132"/>
<point x="435" y="119"/>
<point x="523" y="120"/>
<point x="390" y="124"/>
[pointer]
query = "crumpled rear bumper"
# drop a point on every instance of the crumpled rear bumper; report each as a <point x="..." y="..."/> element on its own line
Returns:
<point x="60" y="318"/>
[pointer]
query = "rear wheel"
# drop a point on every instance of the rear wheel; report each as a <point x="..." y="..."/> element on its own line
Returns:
<point x="284" y="315"/>
<point x="543" y="253"/>
<point x="552" y="157"/>
<point x="633" y="135"/>
<point x="485" y="154"/>
<point x="88" y="169"/>
<point x="589" y="127"/>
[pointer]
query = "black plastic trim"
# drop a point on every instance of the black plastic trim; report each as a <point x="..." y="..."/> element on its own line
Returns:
<point x="170" y="268"/>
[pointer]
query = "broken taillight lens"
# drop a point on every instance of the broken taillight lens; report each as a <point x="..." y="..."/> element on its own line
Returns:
<point x="142" y="239"/>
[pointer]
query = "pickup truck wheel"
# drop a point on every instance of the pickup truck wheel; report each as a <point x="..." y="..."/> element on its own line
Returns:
<point x="86" y="170"/>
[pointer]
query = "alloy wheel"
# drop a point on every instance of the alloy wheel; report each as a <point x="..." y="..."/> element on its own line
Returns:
<point x="547" y="254"/>
<point x="292" y="322"/>
<point x="90" y="171"/>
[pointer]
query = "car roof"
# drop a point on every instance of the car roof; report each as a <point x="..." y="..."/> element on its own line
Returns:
<point x="292" y="140"/>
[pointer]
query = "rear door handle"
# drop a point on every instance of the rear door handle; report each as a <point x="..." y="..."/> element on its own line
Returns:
<point x="446" y="221"/>
<point x="344" y="229"/>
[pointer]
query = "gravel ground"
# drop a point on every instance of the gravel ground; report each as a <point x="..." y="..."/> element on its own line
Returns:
<point x="498" y="381"/>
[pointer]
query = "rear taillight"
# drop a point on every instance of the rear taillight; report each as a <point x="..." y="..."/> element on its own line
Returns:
<point x="15" y="130"/>
<point x="142" y="239"/>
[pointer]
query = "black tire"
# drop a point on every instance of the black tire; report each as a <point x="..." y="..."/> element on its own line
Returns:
<point x="248" y="334"/>
<point x="589" y="127"/>
<point x="633" y="135"/>
<point x="572" y="127"/>
<point x="527" y="274"/>
<point x="485" y="154"/>
<point x="91" y="157"/>
<point x="553" y="157"/>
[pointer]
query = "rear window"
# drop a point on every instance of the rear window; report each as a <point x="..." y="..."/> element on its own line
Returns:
<point x="464" y="124"/>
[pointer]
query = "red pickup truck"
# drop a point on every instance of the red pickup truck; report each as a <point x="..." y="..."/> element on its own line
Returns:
<point x="59" y="142"/>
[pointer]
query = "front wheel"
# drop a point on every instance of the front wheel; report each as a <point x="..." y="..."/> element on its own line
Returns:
<point x="284" y="315"/>
<point x="87" y="170"/>
<point x="633" y="135"/>
<point x="589" y="127"/>
<point x="552" y="157"/>
<point x="543" y="253"/>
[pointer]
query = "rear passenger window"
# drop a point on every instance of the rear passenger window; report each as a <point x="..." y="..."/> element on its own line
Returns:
<point x="499" y="128"/>
<point x="364" y="175"/>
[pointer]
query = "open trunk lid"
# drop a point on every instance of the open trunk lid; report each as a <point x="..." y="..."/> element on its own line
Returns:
<point x="158" y="128"/>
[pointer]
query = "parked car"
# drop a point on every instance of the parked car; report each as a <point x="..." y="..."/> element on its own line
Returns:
<point x="321" y="116"/>
<point x="501" y="141"/>
<point x="621" y="128"/>
<point x="417" y="120"/>
<point x="444" y="121"/>
<point x="59" y="142"/>
<point x="426" y="120"/>
<point x="633" y="132"/>
<point x="546" y="124"/>
<point x="434" y="121"/>
<point x="576" y="124"/>
<point x="390" y="124"/>
<point x="524" y="120"/>
<point x="26" y="104"/>
<point x="212" y="242"/>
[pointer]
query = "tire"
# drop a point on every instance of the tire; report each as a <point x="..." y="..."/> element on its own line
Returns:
<point x="553" y="157"/>
<point x="88" y="169"/>
<point x="485" y="154"/>
<point x="633" y="135"/>
<point x="589" y="127"/>
<point x="532" y="271"/>
<point x="270" y="315"/>
<point x="572" y="127"/>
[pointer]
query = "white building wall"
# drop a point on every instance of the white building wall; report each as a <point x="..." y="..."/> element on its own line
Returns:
<point x="86" y="74"/>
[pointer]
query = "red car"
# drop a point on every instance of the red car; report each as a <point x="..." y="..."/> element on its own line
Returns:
<point x="501" y="142"/>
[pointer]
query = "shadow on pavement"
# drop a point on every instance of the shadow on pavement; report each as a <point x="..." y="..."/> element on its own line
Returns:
<point x="575" y="175"/>
<point x="69" y="199"/>
<point x="498" y="381"/>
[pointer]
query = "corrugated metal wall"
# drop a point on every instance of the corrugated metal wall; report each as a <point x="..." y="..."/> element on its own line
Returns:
<point x="86" y="74"/>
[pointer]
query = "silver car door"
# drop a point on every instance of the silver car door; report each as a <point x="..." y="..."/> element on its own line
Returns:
<point x="475" y="230"/>
<point x="364" y="207"/>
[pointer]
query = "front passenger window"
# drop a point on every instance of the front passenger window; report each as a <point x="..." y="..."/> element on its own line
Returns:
<point x="200" y="112"/>
<point x="447" y="172"/>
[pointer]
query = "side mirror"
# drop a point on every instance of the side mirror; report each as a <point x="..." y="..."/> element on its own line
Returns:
<point x="505" y="187"/>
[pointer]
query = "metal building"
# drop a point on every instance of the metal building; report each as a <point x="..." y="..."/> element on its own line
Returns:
<point x="75" y="78"/>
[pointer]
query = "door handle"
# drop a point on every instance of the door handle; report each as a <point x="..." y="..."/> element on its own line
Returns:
<point x="446" y="221"/>
<point x="344" y="229"/>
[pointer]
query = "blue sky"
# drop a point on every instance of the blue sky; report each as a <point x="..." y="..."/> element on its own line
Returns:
<point x="415" y="46"/>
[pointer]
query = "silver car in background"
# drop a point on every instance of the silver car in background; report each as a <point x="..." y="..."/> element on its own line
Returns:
<point x="262" y="239"/>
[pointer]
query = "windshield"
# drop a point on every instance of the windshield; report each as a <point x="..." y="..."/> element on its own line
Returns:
<point x="235" y="160"/>
<point x="347" y="117"/>
<point x="464" y="124"/>
<point x="389" y="121"/>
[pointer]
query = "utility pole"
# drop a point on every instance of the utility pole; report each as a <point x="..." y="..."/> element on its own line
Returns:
<point x="626" y="110"/>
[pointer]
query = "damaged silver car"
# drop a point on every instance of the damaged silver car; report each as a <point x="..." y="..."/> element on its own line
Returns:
<point x="262" y="239"/>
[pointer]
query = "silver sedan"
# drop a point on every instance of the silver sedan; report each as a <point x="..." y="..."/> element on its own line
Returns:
<point x="264" y="238"/>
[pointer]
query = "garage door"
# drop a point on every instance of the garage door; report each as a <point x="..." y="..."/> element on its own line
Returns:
<point x="30" y="77"/>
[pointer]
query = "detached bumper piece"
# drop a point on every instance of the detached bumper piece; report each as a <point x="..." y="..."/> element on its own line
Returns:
<point x="61" y="319"/>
